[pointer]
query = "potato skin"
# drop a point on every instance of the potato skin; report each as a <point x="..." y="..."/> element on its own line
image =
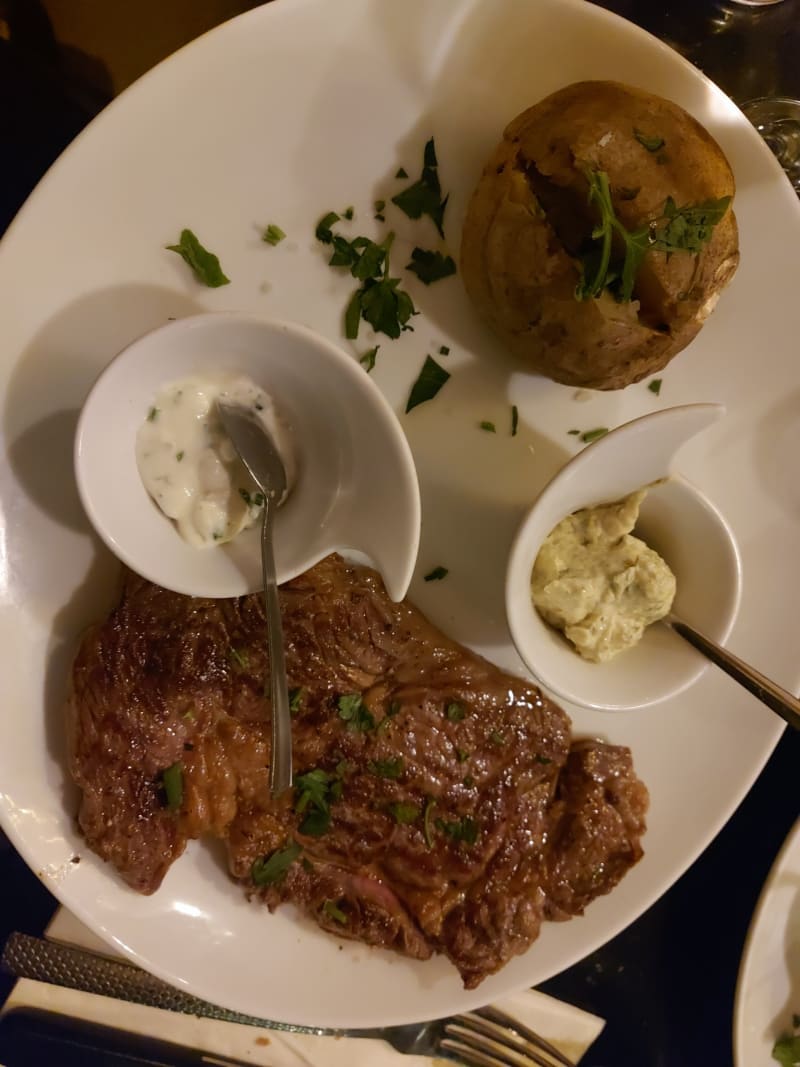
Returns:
<point x="520" y="275"/>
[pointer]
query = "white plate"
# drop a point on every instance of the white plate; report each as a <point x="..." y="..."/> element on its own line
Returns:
<point x="294" y="109"/>
<point x="768" y="990"/>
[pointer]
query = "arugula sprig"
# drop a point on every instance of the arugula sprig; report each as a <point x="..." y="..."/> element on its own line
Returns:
<point x="684" y="229"/>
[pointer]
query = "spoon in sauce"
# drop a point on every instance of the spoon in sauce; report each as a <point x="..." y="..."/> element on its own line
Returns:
<point x="258" y="453"/>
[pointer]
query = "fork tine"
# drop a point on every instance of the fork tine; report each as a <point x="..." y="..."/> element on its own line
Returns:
<point x="525" y="1033"/>
<point x="471" y="1057"/>
<point x="501" y="1040"/>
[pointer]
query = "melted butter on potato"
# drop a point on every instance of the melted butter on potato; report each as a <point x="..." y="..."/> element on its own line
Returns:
<point x="597" y="583"/>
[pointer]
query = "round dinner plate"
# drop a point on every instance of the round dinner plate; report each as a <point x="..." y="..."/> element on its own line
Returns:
<point x="768" y="989"/>
<point x="290" y="111"/>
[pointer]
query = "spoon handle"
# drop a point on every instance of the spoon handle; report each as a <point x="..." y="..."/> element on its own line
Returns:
<point x="768" y="692"/>
<point x="280" y="764"/>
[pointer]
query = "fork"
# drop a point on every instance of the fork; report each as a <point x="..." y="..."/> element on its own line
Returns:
<point x="483" y="1038"/>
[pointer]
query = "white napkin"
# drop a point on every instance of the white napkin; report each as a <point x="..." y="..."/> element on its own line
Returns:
<point x="568" y="1028"/>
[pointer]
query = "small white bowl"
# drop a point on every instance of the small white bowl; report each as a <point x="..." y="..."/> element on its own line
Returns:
<point x="356" y="487"/>
<point x="676" y="519"/>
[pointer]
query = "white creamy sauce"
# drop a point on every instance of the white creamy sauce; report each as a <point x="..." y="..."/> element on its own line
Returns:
<point x="188" y="463"/>
<point x="597" y="583"/>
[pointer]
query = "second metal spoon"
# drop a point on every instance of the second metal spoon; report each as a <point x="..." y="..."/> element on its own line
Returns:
<point x="258" y="453"/>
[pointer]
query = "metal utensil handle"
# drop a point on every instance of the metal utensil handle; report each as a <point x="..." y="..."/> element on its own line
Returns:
<point x="768" y="692"/>
<point x="75" y="968"/>
<point x="280" y="763"/>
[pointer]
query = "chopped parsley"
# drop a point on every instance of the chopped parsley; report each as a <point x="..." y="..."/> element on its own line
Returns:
<point x="323" y="231"/>
<point x="204" y="263"/>
<point x="574" y="433"/>
<point x="333" y="911"/>
<point x="489" y="427"/>
<point x="465" y="829"/>
<point x="462" y="755"/>
<point x="592" y="435"/>
<point x="436" y="574"/>
<point x="172" y="782"/>
<point x="429" y="381"/>
<point x="240" y="658"/>
<point x="427" y="824"/>
<point x="430" y="266"/>
<point x="273" y="868"/>
<point x="348" y="213"/>
<point x="514" y="419"/>
<point x="273" y="235"/>
<point x="313" y="793"/>
<point x="497" y="738"/>
<point x="297" y="697"/>
<point x="386" y="768"/>
<point x="655" y="386"/>
<point x="541" y="759"/>
<point x="355" y="713"/>
<point x="367" y="361"/>
<point x="253" y="500"/>
<point x="455" y="711"/>
<point x="787" y="1049"/>
<point x="652" y="144"/>
<point x="379" y="300"/>
<point x="444" y="350"/>
<point x="152" y="414"/>
<point x="424" y="196"/>
<point x="685" y="229"/>
<point x="401" y="172"/>
<point x="379" y="209"/>
<point x="179" y="456"/>
<point x="404" y="813"/>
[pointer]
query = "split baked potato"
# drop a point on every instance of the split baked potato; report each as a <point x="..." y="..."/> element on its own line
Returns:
<point x="600" y="234"/>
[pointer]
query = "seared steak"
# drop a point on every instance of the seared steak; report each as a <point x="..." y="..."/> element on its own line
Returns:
<point x="439" y="805"/>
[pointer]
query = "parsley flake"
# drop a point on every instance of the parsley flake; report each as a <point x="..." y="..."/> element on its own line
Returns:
<point x="313" y="793"/>
<point x="514" y="419"/>
<point x="436" y="574"/>
<point x="273" y="868"/>
<point x="655" y="386"/>
<point x="430" y="266"/>
<point x="333" y="911"/>
<point x="367" y="361"/>
<point x="592" y="435"/>
<point x="296" y="699"/>
<point x="429" y="381"/>
<point x="455" y="711"/>
<point x="465" y="829"/>
<point x="240" y="658"/>
<point x="401" y="172"/>
<point x="424" y="196"/>
<point x="348" y="213"/>
<point x="355" y="713"/>
<point x="273" y="235"/>
<point x="172" y="782"/>
<point x="179" y="456"/>
<point x="489" y="427"/>
<point x="404" y="813"/>
<point x="444" y="350"/>
<point x="386" y="768"/>
<point x="152" y="414"/>
<point x="204" y="264"/>
<point x="323" y="231"/>
<point x="652" y="144"/>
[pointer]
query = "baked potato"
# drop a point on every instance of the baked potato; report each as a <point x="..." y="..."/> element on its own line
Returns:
<point x="600" y="235"/>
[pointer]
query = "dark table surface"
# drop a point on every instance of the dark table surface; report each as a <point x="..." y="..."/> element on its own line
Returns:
<point x="666" y="984"/>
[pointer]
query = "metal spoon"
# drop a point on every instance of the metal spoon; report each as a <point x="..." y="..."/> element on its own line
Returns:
<point x="258" y="453"/>
<point x="768" y="692"/>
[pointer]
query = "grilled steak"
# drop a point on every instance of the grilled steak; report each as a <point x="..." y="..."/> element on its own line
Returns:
<point x="439" y="804"/>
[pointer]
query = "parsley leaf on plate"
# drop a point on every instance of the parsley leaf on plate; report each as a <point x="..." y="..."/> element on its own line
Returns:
<point x="273" y="235"/>
<point x="424" y="197"/>
<point x="204" y="263"/>
<point x="430" y="380"/>
<point x="436" y="574"/>
<point x="172" y="781"/>
<point x="429" y="266"/>
<point x="652" y="143"/>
